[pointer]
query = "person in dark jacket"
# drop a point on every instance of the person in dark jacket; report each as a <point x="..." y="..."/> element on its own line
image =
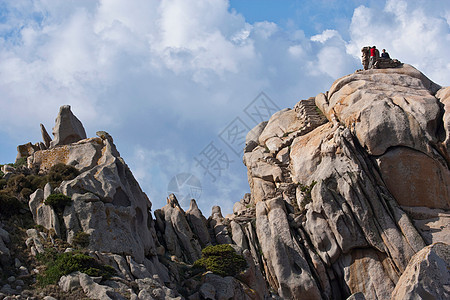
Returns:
<point x="385" y="55"/>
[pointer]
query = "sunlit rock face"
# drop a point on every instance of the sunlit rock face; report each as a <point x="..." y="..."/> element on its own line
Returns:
<point x="349" y="190"/>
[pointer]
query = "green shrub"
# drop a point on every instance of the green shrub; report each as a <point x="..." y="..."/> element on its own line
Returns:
<point x="2" y="183"/>
<point x="218" y="250"/>
<point x="221" y="260"/>
<point x="49" y="254"/>
<point x="37" y="181"/>
<point x="26" y="192"/>
<point x="58" y="265"/>
<point x="306" y="189"/>
<point x="58" y="202"/>
<point x="20" y="162"/>
<point x="61" y="172"/>
<point x="9" y="205"/>
<point x="39" y="227"/>
<point x="1" y="174"/>
<point x="81" y="239"/>
<point x="18" y="182"/>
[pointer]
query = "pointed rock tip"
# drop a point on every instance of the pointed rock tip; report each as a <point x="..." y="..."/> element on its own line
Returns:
<point x="172" y="200"/>
<point x="193" y="205"/>
<point x="216" y="211"/>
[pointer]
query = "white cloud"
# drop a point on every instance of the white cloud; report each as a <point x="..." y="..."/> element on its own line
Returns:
<point x="409" y="31"/>
<point x="325" y="36"/>
<point x="164" y="77"/>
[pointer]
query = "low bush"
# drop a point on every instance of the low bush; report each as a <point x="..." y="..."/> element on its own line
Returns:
<point x="26" y="192"/>
<point x="221" y="260"/>
<point x="2" y="183"/>
<point x="18" y="182"/>
<point x="62" y="264"/>
<point x="306" y="190"/>
<point x="37" y="181"/>
<point x="9" y="205"/>
<point x="20" y="162"/>
<point x="81" y="239"/>
<point x="61" y="172"/>
<point x="58" y="202"/>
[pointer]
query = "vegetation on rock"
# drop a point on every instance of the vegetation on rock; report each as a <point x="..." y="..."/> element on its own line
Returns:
<point x="81" y="239"/>
<point x="58" y="202"/>
<point x="60" y="264"/>
<point x="61" y="172"/>
<point x="221" y="260"/>
<point x="9" y="205"/>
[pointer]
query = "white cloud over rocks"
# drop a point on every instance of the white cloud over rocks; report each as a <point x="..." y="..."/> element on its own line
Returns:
<point x="164" y="77"/>
<point x="416" y="32"/>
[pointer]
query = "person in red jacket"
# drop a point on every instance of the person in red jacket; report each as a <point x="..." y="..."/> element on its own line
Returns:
<point x="374" y="55"/>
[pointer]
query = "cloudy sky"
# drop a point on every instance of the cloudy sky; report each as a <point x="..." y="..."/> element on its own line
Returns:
<point x="175" y="82"/>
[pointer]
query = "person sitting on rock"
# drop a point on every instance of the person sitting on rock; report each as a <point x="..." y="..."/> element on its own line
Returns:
<point x="385" y="55"/>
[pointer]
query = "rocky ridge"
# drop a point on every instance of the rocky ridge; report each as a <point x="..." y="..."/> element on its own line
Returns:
<point x="349" y="189"/>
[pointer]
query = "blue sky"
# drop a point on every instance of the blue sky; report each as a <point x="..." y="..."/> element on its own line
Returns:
<point x="166" y="78"/>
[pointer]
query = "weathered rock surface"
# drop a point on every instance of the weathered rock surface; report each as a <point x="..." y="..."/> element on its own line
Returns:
<point x="444" y="97"/>
<point x="177" y="234"/>
<point x="427" y="275"/>
<point x="5" y="255"/>
<point x="432" y="224"/>
<point x="422" y="172"/>
<point x="68" y="129"/>
<point x="347" y="190"/>
<point x="198" y="223"/>
<point x="358" y="196"/>
<point x="45" y="136"/>
<point x="43" y="214"/>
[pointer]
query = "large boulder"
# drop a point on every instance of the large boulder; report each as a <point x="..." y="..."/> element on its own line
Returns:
<point x="396" y="117"/>
<point x="386" y="108"/>
<point x="68" y="129"/>
<point x="420" y="172"/>
<point x="427" y="275"/>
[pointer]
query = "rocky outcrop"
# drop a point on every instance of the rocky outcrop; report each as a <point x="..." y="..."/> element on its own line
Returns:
<point x="349" y="200"/>
<point x="344" y="203"/>
<point x="427" y="275"/>
<point x="45" y="136"/>
<point x="68" y="129"/>
<point x="107" y="203"/>
<point x="175" y="232"/>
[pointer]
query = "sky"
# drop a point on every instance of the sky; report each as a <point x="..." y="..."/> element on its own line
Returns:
<point x="178" y="83"/>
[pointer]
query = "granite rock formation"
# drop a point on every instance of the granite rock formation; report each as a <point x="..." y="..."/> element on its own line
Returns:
<point x="349" y="199"/>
